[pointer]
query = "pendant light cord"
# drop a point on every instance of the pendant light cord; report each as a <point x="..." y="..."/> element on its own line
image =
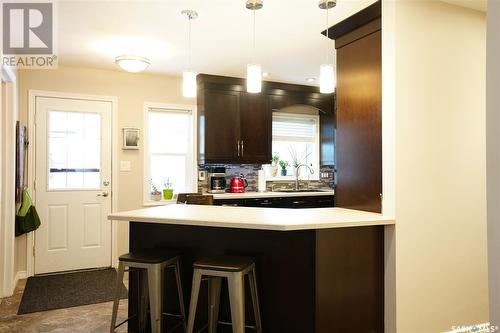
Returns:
<point x="327" y="35"/>
<point x="189" y="42"/>
<point x="253" y="60"/>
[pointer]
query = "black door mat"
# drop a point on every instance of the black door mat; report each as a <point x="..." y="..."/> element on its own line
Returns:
<point x="65" y="290"/>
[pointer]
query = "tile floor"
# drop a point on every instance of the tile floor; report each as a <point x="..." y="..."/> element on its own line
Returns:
<point x="94" y="318"/>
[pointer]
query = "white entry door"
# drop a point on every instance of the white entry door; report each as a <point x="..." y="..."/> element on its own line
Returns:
<point x="72" y="184"/>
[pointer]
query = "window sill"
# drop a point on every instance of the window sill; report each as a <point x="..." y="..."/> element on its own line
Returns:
<point x="153" y="203"/>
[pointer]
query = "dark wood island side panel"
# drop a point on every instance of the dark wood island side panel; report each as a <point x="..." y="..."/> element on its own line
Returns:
<point x="323" y="281"/>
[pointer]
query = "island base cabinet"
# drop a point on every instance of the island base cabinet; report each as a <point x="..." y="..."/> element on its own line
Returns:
<point x="323" y="281"/>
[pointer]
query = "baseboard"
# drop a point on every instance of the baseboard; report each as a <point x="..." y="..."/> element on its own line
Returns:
<point x="485" y="327"/>
<point x="19" y="276"/>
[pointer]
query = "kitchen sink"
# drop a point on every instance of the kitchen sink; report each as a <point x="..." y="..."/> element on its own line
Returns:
<point x="299" y="191"/>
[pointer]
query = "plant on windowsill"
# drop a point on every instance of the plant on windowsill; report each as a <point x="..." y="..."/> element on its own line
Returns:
<point x="155" y="194"/>
<point x="275" y="160"/>
<point x="168" y="192"/>
<point x="283" y="165"/>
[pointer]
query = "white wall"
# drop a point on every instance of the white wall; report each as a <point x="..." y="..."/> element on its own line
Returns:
<point x="493" y="155"/>
<point x="438" y="98"/>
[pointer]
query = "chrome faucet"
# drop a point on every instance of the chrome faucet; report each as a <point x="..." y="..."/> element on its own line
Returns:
<point x="297" y="174"/>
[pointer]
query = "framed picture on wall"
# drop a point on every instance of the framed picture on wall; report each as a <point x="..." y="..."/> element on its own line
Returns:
<point x="130" y="138"/>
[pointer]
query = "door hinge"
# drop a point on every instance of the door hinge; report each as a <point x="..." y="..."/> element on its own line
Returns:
<point x="33" y="251"/>
<point x="34" y="184"/>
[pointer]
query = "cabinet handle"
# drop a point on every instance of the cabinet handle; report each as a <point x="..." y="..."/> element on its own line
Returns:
<point x="238" y="146"/>
<point x="242" y="148"/>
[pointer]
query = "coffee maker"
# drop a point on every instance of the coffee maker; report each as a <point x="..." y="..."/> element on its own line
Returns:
<point x="217" y="180"/>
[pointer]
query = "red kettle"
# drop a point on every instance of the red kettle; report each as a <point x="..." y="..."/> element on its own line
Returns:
<point x="238" y="184"/>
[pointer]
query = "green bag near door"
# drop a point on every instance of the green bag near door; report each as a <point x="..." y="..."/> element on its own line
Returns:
<point x="27" y="218"/>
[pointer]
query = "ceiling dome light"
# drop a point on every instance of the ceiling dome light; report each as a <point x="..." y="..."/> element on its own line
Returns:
<point x="132" y="64"/>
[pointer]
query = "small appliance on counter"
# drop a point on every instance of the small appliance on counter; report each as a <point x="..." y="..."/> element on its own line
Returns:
<point x="238" y="184"/>
<point x="217" y="180"/>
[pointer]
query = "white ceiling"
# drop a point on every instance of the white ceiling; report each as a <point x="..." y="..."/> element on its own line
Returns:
<point x="290" y="46"/>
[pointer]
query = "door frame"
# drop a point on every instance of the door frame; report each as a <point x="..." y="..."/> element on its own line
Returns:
<point x="32" y="95"/>
<point x="8" y="275"/>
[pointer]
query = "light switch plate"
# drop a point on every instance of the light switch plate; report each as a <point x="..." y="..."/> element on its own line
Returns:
<point x="125" y="166"/>
<point x="202" y="175"/>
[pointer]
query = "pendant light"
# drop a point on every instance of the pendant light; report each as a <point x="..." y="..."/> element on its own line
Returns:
<point x="254" y="71"/>
<point x="189" y="76"/>
<point x="327" y="70"/>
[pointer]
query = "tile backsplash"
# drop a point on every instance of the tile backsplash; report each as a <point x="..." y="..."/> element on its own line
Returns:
<point x="250" y="171"/>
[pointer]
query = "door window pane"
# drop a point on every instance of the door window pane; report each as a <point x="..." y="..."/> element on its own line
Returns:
<point x="74" y="150"/>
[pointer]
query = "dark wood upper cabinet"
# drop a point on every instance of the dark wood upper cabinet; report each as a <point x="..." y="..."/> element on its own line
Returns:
<point x="221" y="123"/>
<point x="359" y="117"/>
<point x="236" y="127"/>
<point x="255" y="129"/>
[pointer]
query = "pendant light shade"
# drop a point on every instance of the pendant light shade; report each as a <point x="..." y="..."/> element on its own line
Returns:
<point x="189" y="84"/>
<point x="254" y="78"/>
<point x="189" y="77"/>
<point x="327" y="79"/>
<point x="254" y="71"/>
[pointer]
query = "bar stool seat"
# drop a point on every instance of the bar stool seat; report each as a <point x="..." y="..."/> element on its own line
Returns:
<point x="234" y="269"/>
<point x="150" y="265"/>
<point x="225" y="263"/>
<point x="149" y="256"/>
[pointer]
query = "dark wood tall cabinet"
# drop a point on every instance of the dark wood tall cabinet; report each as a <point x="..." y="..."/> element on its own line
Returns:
<point x="359" y="111"/>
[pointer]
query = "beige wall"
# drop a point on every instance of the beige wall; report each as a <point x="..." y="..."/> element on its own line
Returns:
<point x="132" y="91"/>
<point x="440" y="202"/>
<point x="493" y="156"/>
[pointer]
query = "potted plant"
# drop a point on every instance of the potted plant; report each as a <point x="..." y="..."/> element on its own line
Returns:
<point x="168" y="192"/>
<point x="155" y="194"/>
<point x="275" y="160"/>
<point x="283" y="165"/>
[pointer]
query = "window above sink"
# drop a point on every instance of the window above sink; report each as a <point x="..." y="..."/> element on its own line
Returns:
<point x="296" y="134"/>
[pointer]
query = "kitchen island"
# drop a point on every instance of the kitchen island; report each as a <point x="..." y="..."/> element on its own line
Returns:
<point x="318" y="270"/>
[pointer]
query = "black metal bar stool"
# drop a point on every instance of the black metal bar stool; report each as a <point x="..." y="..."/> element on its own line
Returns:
<point x="150" y="262"/>
<point x="234" y="269"/>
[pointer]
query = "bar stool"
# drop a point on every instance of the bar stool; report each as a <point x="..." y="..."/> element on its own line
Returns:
<point x="150" y="262"/>
<point x="234" y="269"/>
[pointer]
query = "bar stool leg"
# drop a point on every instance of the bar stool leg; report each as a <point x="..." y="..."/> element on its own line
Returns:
<point x="255" y="300"/>
<point x="214" y="284"/>
<point x="143" y="299"/>
<point x="180" y="293"/>
<point x="116" y="301"/>
<point x="195" y="291"/>
<point x="237" y="301"/>
<point x="155" y="286"/>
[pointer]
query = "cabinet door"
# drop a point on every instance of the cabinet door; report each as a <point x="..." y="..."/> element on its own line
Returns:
<point x="255" y="129"/>
<point x="359" y="125"/>
<point x="221" y="126"/>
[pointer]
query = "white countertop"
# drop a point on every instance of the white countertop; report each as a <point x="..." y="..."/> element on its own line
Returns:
<point x="279" y="219"/>
<point x="251" y="195"/>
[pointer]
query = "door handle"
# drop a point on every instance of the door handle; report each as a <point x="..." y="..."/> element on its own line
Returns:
<point x="103" y="194"/>
<point x="242" y="148"/>
<point x="238" y="146"/>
